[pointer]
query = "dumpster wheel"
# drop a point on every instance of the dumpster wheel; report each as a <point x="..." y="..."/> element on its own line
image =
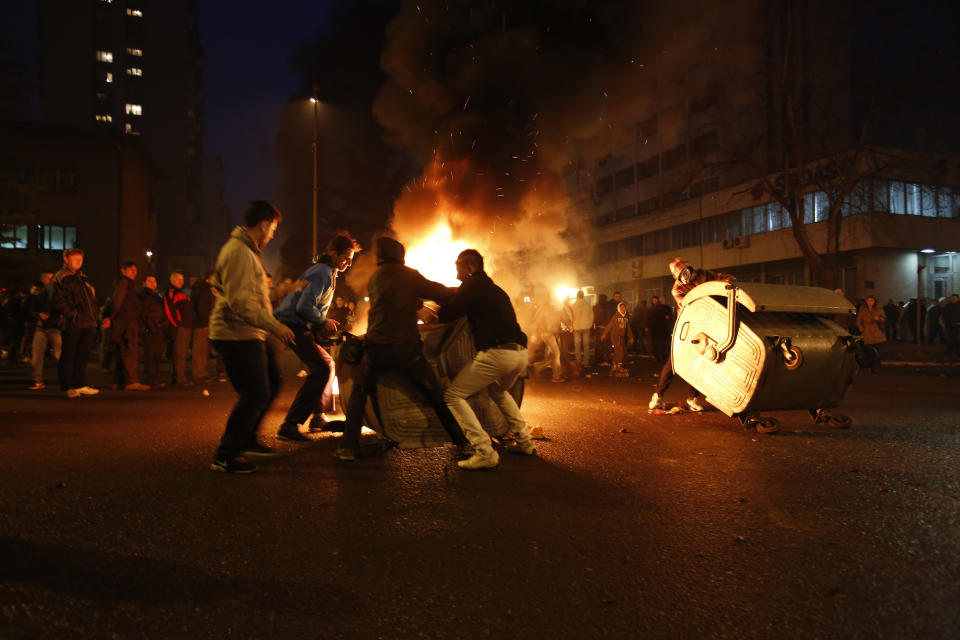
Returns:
<point x="835" y="421"/>
<point x="762" y="425"/>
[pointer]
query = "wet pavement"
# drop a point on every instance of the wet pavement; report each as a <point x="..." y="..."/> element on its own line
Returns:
<point x="627" y="525"/>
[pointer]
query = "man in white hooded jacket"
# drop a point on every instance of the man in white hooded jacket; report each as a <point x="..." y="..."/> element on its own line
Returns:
<point x="239" y="324"/>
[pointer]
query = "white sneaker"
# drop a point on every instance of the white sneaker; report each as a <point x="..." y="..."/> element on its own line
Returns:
<point x="87" y="391"/>
<point x="656" y="402"/>
<point x="525" y="448"/>
<point x="72" y="393"/>
<point x="693" y="405"/>
<point x="481" y="460"/>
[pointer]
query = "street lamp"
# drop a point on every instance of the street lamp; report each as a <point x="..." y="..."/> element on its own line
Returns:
<point x="316" y="140"/>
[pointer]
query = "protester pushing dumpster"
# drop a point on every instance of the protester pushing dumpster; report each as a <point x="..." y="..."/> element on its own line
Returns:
<point x="752" y="347"/>
<point x="398" y="411"/>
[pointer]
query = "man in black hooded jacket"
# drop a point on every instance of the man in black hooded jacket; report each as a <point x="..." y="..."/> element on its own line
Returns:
<point x="393" y="343"/>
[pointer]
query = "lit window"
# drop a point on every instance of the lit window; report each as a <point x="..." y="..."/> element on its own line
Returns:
<point x="134" y="109"/>
<point x="129" y="130"/>
<point x="109" y="77"/>
<point x="13" y="236"/>
<point x="104" y="117"/>
<point x="136" y="13"/>
<point x="135" y="52"/>
<point x="55" y="237"/>
<point x="105" y="56"/>
<point x="134" y="71"/>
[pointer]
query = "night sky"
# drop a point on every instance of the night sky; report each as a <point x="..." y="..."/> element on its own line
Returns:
<point x="247" y="80"/>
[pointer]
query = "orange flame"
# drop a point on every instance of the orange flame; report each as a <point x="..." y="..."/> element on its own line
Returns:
<point x="435" y="255"/>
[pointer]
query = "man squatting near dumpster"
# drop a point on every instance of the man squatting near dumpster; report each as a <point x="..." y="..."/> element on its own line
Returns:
<point x="393" y="343"/>
<point x="686" y="278"/>
<point x="305" y="312"/>
<point x="500" y="359"/>
<point x="239" y="323"/>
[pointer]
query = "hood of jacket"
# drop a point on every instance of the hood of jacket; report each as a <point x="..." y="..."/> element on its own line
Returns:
<point x="389" y="250"/>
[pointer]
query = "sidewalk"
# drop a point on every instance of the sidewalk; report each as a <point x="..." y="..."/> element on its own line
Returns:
<point x="909" y="354"/>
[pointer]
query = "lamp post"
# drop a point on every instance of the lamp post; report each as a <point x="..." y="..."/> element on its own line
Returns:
<point x="316" y="141"/>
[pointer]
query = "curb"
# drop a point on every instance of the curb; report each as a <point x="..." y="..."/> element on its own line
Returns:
<point x="902" y="363"/>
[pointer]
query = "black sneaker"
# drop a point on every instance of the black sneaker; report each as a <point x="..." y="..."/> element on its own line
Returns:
<point x="233" y="465"/>
<point x="334" y="425"/>
<point x="316" y="425"/>
<point x="292" y="436"/>
<point x="260" y="450"/>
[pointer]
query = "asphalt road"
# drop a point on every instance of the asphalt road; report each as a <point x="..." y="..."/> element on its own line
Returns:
<point x="626" y="525"/>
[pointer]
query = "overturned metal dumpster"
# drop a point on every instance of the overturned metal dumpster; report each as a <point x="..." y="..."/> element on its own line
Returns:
<point x="761" y="347"/>
<point x="399" y="412"/>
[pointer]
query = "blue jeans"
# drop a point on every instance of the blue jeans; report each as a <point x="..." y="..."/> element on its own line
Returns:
<point x="406" y="359"/>
<point x="252" y="369"/>
<point x="316" y="393"/>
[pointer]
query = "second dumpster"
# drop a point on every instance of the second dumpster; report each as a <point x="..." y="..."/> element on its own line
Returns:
<point x="761" y="347"/>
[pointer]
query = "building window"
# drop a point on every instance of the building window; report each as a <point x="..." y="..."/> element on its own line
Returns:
<point x="648" y="168"/>
<point x="109" y="77"/>
<point x="129" y="130"/>
<point x="56" y="237"/>
<point x="604" y="186"/>
<point x="705" y="144"/>
<point x="674" y="157"/>
<point x="102" y="97"/>
<point x="134" y="71"/>
<point x="624" y="177"/>
<point x="816" y="207"/>
<point x="13" y="236"/>
<point x="135" y="13"/>
<point x="105" y="56"/>
<point x="103" y="117"/>
<point x="134" y="109"/>
<point x="135" y="52"/>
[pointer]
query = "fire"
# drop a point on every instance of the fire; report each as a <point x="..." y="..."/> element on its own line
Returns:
<point x="435" y="256"/>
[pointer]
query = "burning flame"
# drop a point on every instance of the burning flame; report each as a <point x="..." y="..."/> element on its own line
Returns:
<point x="435" y="256"/>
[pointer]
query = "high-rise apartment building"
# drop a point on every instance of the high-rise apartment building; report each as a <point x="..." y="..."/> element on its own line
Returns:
<point x="133" y="69"/>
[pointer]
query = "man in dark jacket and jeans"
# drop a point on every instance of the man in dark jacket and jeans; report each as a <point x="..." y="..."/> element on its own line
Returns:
<point x="125" y="324"/>
<point x="393" y="342"/>
<point x="75" y="300"/>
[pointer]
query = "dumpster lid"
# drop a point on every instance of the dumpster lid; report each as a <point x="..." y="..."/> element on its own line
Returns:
<point x="777" y="297"/>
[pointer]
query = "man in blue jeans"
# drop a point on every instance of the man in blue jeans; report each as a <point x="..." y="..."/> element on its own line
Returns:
<point x="239" y="324"/>
<point x="305" y="312"/>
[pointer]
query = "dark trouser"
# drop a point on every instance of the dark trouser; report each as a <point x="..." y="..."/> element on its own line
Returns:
<point x="661" y="349"/>
<point x="152" y="353"/>
<point x="953" y="339"/>
<point x="666" y="379"/>
<point x="200" y="353"/>
<point x="128" y="357"/>
<point x="406" y="359"/>
<point x="74" y="357"/>
<point x="252" y="369"/>
<point x="180" y="337"/>
<point x="107" y="351"/>
<point x="935" y="333"/>
<point x="316" y="393"/>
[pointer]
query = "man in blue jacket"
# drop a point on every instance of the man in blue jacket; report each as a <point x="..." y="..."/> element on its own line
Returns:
<point x="305" y="312"/>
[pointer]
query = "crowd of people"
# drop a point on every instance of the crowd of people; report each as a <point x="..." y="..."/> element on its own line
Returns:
<point x="235" y="318"/>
